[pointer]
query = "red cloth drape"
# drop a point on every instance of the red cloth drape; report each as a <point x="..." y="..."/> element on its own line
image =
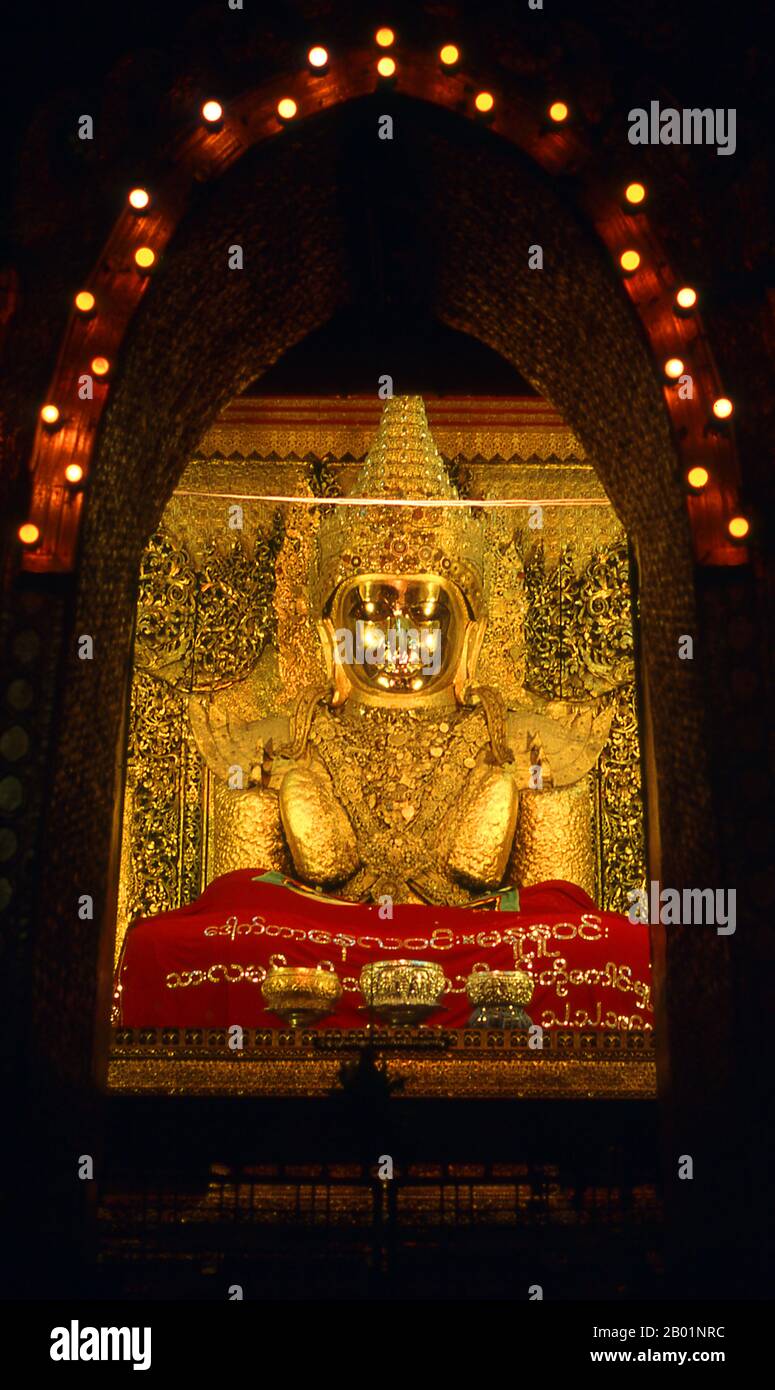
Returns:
<point x="200" y="965"/>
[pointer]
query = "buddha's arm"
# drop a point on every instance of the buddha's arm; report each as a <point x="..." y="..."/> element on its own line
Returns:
<point x="481" y="829"/>
<point x="554" y="749"/>
<point x="317" y="829"/>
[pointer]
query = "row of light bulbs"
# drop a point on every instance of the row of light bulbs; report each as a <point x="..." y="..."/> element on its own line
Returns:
<point x="685" y="300"/>
<point x="139" y="200"/>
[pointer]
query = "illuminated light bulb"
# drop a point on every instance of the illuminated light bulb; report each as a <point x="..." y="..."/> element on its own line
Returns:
<point x="74" y="473"/>
<point x="739" y="527"/>
<point x="386" y="67"/>
<point x="85" y="301"/>
<point x="139" y="198"/>
<point x="674" y="368"/>
<point x="558" y="111"/>
<point x="29" y="533"/>
<point x="212" y="112"/>
<point x="144" y="257"/>
<point x="629" y="261"/>
<point x="317" y="57"/>
<point x="686" y="297"/>
<point x="722" y="408"/>
<point x="100" y="366"/>
<point x="49" y="414"/>
<point x="484" y="102"/>
<point x="286" y="108"/>
<point x="449" y="54"/>
<point x="698" y="477"/>
<point x="635" y="193"/>
<point x="385" y="38"/>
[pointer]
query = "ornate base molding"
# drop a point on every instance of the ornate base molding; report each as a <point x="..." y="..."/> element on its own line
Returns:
<point x="419" y="1062"/>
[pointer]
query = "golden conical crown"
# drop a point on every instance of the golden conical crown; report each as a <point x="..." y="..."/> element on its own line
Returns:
<point x="402" y="463"/>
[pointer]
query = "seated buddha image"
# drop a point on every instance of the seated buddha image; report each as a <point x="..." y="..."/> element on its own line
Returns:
<point x="401" y="776"/>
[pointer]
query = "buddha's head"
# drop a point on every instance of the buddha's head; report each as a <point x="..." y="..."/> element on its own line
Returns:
<point x="397" y="590"/>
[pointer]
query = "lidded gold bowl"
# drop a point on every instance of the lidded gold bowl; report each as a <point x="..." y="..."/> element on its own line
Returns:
<point x="301" y="994"/>
<point x="403" y="991"/>
<point x="488" y="988"/>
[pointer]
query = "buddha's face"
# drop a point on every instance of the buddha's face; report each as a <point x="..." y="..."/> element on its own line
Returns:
<point x="399" y="637"/>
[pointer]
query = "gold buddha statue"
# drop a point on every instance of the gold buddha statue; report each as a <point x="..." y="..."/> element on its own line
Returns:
<point x="401" y="777"/>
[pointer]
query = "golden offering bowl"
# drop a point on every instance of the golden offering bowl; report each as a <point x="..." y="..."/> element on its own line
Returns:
<point x="301" y="994"/>
<point x="403" y="991"/>
<point x="488" y="988"/>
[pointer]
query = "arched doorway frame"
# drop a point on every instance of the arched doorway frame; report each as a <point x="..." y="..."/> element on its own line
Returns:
<point x="162" y="402"/>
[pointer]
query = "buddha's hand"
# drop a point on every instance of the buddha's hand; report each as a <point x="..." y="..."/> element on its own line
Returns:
<point x="565" y="741"/>
<point x="233" y="748"/>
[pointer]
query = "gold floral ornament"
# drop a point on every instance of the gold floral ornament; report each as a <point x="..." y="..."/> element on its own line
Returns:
<point x="166" y="604"/>
<point x="205" y="628"/>
<point x="199" y="626"/>
<point x="235" y="616"/>
<point x="579" y="630"/>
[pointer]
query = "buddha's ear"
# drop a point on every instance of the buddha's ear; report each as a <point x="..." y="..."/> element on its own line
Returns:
<point x="335" y="670"/>
<point x="472" y="645"/>
<point x="476" y="633"/>
<point x="326" y="633"/>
